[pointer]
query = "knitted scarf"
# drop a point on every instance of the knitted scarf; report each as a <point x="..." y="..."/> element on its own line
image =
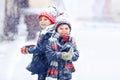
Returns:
<point x="53" y="71"/>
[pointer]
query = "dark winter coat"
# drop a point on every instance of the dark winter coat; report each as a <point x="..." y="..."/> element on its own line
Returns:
<point x="59" y="68"/>
<point x="39" y="63"/>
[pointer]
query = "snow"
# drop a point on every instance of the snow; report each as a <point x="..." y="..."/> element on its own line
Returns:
<point x="97" y="42"/>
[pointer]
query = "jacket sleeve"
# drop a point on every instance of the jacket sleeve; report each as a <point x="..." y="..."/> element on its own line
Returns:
<point x="75" y="51"/>
<point x="75" y="55"/>
<point x="37" y="49"/>
<point x="50" y="53"/>
<point x="40" y="47"/>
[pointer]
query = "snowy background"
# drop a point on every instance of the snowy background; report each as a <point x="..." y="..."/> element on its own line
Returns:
<point x="98" y="43"/>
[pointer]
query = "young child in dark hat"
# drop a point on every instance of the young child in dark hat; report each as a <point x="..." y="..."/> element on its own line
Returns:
<point x="61" y="51"/>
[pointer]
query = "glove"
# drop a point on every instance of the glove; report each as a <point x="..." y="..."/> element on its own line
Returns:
<point x="66" y="56"/>
<point x="24" y="50"/>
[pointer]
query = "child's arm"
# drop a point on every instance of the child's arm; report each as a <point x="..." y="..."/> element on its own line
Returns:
<point x="40" y="47"/>
<point x="70" y="53"/>
<point x="32" y="49"/>
<point x="24" y="49"/>
<point x="75" y="50"/>
<point x="50" y="53"/>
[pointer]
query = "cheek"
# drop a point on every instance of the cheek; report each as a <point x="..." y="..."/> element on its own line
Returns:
<point x="68" y="32"/>
<point x="48" y="23"/>
<point x="59" y="32"/>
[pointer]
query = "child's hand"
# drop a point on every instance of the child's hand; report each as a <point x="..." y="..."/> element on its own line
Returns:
<point x="66" y="55"/>
<point x="24" y="50"/>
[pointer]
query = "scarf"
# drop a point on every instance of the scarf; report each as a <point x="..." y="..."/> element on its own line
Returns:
<point x="53" y="71"/>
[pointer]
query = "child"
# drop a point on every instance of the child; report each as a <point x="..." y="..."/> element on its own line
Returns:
<point x="39" y="61"/>
<point x="61" y="51"/>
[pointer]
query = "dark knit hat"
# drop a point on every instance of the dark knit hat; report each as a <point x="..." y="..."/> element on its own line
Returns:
<point x="60" y="22"/>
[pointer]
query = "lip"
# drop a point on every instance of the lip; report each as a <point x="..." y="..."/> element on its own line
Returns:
<point x="42" y="24"/>
<point x="64" y="33"/>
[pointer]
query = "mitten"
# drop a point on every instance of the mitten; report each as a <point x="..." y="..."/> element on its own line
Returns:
<point x="24" y="49"/>
<point x="66" y="56"/>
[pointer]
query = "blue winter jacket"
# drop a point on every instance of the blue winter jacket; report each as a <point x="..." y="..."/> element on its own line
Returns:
<point x="39" y="63"/>
<point x="54" y="48"/>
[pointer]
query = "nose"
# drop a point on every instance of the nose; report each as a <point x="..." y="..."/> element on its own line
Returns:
<point x="42" y="21"/>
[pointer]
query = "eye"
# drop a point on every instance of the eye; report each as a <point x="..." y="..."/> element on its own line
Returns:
<point x="61" y="28"/>
<point x="40" y="19"/>
<point x="45" y="19"/>
<point x="66" y="28"/>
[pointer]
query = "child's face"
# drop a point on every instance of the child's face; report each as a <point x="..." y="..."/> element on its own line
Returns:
<point x="63" y="30"/>
<point x="44" y="22"/>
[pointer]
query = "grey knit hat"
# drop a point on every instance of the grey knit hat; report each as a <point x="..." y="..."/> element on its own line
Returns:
<point x="60" y="22"/>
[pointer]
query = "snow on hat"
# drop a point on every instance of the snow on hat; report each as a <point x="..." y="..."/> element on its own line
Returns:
<point x="50" y="13"/>
<point x="61" y="21"/>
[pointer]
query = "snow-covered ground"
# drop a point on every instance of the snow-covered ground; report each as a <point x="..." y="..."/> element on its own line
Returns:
<point x="98" y="43"/>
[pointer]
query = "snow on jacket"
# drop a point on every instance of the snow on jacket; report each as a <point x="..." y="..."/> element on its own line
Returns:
<point x="39" y="61"/>
<point x="59" y="68"/>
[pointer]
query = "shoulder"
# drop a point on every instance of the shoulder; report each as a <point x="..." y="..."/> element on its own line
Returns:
<point x="48" y="35"/>
<point x="72" y="40"/>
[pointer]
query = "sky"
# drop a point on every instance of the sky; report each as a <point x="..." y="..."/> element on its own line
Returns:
<point x="97" y="42"/>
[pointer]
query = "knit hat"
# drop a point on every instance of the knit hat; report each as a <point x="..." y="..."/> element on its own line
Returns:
<point x="50" y="13"/>
<point x="60" y="22"/>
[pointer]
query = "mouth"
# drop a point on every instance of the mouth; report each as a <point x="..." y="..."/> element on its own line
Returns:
<point x="64" y="34"/>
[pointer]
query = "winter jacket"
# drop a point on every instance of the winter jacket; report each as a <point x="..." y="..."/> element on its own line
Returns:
<point x="59" y="68"/>
<point x="39" y="61"/>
